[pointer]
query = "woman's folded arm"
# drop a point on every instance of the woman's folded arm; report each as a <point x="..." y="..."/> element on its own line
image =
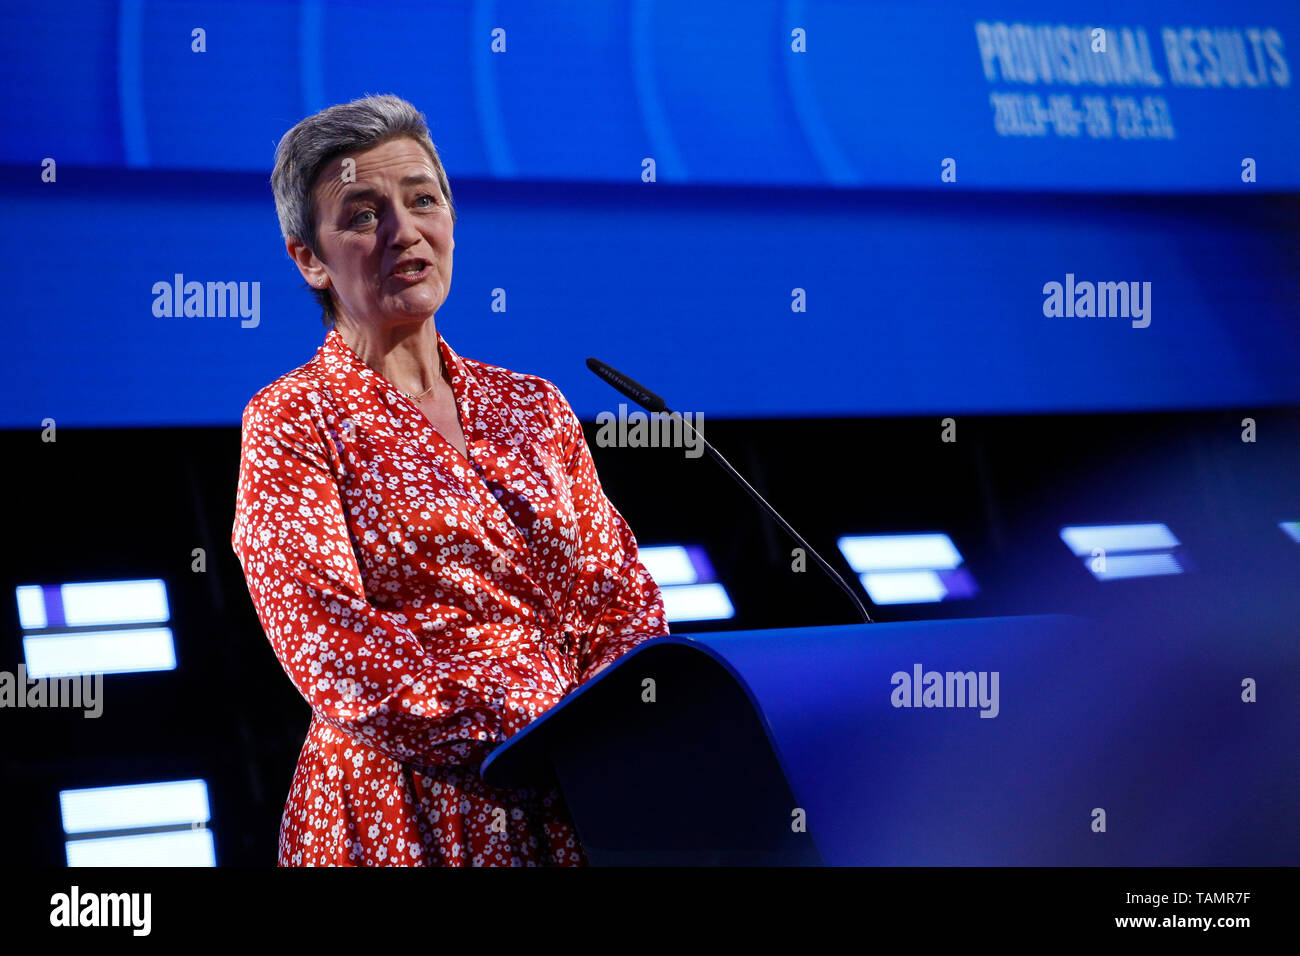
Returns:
<point x="360" y="667"/>
<point x="630" y="604"/>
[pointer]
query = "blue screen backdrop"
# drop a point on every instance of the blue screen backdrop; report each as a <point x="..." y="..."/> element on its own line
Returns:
<point x="920" y="173"/>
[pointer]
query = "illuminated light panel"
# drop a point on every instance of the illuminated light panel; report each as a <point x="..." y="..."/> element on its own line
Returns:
<point x="1127" y="550"/>
<point x="690" y="589"/>
<point x="903" y="587"/>
<point x="31" y="608"/>
<point x="697" y="602"/>
<point x="104" y="824"/>
<point x="1292" y="529"/>
<point x="100" y="652"/>
<point x="1137" y="566"/>
<point x="171" y="848"/>
<point x="899" y="552"/>
<point x="918" y="587"/>
<point x="86" y="628"/>
<point x="908" y="568"/>
<point x="134" y="805"/>
<point x="669" y="565"/>
<point x="1083" y="540"/>
<point x="94" y="604"/>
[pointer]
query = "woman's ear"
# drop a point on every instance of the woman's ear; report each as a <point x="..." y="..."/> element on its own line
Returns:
<point x="311" y="267"/>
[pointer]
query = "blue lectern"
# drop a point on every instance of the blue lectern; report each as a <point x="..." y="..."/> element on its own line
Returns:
<point x="1040" y="740"/>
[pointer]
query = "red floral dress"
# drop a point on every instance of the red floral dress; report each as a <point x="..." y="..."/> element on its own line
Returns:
<point x="428" y="606"/>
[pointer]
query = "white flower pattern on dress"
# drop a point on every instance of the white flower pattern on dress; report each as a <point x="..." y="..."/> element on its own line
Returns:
<point x="426" y="606"/>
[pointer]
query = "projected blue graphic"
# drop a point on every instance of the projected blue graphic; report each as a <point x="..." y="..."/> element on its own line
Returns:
<point x="867" y="203"/>
<point x="1062" y="94"/>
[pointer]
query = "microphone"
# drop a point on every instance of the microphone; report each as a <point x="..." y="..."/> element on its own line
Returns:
<point x="656" y="405"/>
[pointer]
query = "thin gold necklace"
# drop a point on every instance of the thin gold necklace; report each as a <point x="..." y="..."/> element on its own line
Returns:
<point x="414" y="398"/>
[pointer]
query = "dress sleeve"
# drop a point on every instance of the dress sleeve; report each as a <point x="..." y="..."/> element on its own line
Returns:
<point x="358" y="666"/>
<point x="630" y="604"/>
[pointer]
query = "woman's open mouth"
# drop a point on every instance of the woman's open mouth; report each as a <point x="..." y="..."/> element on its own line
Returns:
<point x="413" y="272"/>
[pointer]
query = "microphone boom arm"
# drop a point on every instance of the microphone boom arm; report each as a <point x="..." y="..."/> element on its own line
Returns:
<point x="655" y="405"/>
<point x="785" y="525"/>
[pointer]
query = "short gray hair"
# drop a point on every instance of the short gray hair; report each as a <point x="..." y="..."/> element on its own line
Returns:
<point x="346" y="128"/>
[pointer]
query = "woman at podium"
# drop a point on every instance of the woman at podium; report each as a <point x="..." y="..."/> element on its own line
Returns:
<point x="424" y="536"/>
